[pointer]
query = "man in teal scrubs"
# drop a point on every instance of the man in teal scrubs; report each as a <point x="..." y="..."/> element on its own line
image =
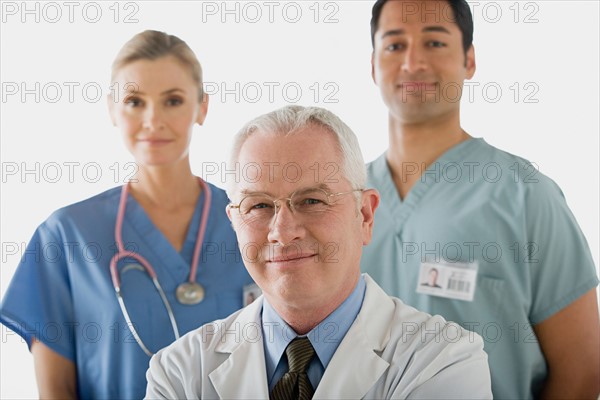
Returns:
<point x="511" y="262"/>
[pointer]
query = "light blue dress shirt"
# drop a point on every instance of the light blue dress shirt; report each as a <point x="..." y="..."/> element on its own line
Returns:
<point x="325" y="337"/>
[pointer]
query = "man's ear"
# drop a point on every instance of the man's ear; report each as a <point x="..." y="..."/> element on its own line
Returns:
<point x="203" y="109"/>
<point x="373" y="67"/>
<point x="370" y="201"/>
<point x="111" y="109"/>
<point x="470" y="64"/>
<point x="228" y="211"/>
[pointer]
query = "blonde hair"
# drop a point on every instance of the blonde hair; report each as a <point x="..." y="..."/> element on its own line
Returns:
<point x="151" y="45"/>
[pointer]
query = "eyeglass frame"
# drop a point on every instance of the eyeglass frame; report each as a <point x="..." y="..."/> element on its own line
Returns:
<point x="289" y="199"/>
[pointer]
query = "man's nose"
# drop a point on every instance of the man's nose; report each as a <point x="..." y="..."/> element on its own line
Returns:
<point x="414" y="59"/>
<point x="285" y="226"/>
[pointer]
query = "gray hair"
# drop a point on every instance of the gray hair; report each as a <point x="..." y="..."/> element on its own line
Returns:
<point x="292" y="119"/>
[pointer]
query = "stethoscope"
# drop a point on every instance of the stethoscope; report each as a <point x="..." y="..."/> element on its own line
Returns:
<point x="189" y="292"/>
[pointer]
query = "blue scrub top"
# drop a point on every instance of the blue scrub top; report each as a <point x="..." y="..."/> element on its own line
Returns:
<point x="478" y="204"/>
<point x="62" y="293"/>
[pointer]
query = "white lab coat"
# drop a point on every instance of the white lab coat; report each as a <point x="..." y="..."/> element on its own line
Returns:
<point x="391" y="351"/>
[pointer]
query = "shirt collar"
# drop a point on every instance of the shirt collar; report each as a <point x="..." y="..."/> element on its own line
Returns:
<point x="324" y="337"/>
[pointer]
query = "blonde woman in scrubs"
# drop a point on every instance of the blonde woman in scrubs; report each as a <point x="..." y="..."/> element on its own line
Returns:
<point x="66" y="308"/>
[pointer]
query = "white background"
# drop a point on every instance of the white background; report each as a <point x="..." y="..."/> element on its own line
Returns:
<point x="558" y="54"/>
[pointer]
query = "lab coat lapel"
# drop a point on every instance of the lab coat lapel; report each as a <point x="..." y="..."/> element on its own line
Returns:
<point x="243" y="375"/>
<point x="355" y="367"/>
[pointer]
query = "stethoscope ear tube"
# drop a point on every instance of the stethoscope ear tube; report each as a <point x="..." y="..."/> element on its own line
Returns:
<point x="167" y="306"/>
<point x="121" y="254"/>
<point x="130" y="324"/>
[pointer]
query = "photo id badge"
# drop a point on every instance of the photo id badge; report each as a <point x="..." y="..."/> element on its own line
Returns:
<point x="251" y="293"/>
<point x="453" y="281"/>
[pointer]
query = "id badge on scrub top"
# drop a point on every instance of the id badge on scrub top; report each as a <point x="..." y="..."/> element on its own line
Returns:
<point x="251" y="292"/>
<point x="453" y="281"/>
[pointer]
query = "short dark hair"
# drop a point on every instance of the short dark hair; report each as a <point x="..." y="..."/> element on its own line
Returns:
<point x="462" y="17"/>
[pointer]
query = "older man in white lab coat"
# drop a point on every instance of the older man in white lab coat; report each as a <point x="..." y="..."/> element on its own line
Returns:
<point x="321" y="329"/>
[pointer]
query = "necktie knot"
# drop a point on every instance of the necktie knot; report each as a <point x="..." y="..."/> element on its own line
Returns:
<point x="295" y="385"/>
<point x="299" y="353"/>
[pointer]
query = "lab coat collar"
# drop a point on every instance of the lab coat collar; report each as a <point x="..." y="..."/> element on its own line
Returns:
<point x="355" y="366"/>
<point x="243" y="374"/>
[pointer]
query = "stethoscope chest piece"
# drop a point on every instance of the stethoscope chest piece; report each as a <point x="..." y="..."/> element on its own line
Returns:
<point x="189" y="293"/>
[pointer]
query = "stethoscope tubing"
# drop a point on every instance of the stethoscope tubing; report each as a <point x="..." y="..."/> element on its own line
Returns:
<point x="121" y="253"/>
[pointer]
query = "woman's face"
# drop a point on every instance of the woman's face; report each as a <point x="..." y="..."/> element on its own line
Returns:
<point x="155" y="106"/>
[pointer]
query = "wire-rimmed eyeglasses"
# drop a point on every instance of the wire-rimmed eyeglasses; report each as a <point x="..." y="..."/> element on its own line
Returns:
<point x="260" y="208"/>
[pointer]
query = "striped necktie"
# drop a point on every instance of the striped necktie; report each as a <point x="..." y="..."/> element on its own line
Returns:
<point x="294" y="385"/>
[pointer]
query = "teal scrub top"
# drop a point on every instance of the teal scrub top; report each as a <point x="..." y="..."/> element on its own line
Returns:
<point x="480" y="205"/>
